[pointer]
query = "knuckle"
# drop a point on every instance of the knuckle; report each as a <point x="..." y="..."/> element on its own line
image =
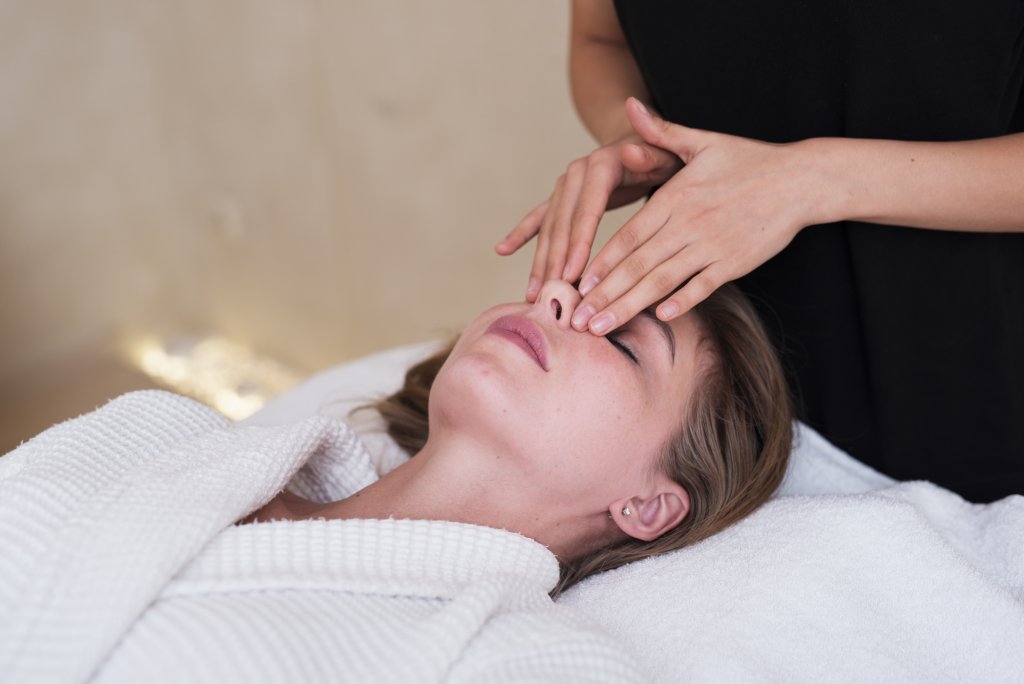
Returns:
<point x="583" y="215"/>
<point x="700" y="287"/>
<point x="636" y="267"/>
<point x="629" y="238"/>
<point x="559" y="230"/>
<point x="664" y="282"/>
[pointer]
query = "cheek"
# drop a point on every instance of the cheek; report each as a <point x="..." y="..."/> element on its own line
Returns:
<point x="480" y="394"/>
<point x="606" y="431"/>
<point x="588" y="427"/>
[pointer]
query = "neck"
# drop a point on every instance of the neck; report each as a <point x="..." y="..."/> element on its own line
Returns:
<point x="464" y="483"/>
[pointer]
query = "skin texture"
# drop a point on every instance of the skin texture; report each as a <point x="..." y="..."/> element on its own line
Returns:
<point x="738" y="201"/>
<point x="555" y="455"/>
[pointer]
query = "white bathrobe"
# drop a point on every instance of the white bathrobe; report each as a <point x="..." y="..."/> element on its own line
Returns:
<point x="119" y="562"/>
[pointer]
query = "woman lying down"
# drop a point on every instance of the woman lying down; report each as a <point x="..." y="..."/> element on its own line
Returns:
<point x="542" y="455"/>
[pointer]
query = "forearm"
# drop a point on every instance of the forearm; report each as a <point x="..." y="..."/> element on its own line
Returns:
<point x="602" y="71"/>
<point x="974" y="185"/>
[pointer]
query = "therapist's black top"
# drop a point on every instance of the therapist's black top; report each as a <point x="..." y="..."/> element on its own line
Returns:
<point x="904" y="347"/>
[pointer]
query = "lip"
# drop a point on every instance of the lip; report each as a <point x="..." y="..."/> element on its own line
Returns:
<point x="524" y="333"/>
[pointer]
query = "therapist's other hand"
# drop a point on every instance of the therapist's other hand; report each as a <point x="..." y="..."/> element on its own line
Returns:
<point x="609" y="177"/>
<point x="737" y="203"/>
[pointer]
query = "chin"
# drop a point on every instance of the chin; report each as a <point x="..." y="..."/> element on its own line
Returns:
<point x="482" y="394"/>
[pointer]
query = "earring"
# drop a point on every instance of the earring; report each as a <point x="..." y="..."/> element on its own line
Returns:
<point x="626" y="512"/>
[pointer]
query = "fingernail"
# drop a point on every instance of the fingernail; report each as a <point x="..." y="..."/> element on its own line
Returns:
<point x="582" y="315"/>
<point x="589" y="284"/>
<point x="641" y="106"/>
<point x="667" y="310"/>
<point x="601" y="322"/>
<point x="532" y="287"/>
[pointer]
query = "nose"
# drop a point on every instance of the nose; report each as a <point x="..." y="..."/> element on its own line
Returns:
<point x="556" y="301"/>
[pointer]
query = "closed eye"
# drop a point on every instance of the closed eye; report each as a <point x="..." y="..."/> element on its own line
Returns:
<point x="618" y="344"/>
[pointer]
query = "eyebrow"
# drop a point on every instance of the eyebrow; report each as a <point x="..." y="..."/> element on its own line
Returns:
<point x="666" y="330"/>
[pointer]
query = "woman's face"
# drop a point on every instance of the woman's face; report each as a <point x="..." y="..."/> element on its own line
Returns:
<point x="578" y="415"/>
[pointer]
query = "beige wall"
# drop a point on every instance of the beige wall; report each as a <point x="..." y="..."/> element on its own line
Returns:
<point x="316" y="179"/>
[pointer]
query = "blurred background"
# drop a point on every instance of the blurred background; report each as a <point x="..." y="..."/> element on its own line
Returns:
<point x="223" y="198"/>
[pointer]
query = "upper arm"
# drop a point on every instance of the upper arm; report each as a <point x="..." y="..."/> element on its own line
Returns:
<point x="595" y="21"/>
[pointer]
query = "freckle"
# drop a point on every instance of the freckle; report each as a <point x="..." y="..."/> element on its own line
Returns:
<point x="911" y="159"/>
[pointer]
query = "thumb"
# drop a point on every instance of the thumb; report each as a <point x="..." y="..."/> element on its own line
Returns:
<point x="648" y="161"/>
<point x="685" y="142"/>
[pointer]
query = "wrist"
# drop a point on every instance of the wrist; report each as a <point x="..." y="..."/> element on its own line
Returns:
<point x="827" y="180"/>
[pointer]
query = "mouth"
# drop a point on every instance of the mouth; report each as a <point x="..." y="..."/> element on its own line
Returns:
<point x="525" y="334"/>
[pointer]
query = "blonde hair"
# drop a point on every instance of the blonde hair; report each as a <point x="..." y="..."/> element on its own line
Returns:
<point x="730" y="453"/>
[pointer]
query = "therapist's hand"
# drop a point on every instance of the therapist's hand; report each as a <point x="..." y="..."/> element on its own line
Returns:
<point x="609" y="177"/>
<point x="735" y="205"/>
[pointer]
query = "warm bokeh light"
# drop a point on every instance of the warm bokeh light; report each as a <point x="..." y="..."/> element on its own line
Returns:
<point x="227" y="375"/>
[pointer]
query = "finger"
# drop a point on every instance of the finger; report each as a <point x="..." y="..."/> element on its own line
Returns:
<point x="601" y="179"/>
<point x="660" y="282"/>
<point x="523" y="231"/>
<point x="646" y="276"/>
<point x="540" y="257"/>
<point x="684" y="141"/>
<point x="558" y="247"/>
<point x="636" y="231"/>
<point x="648" y="164"/>
<point x="699" y="288"/>
<point x="537" y="268"/>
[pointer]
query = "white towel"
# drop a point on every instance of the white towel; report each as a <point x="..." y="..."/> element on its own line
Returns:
<point x="889" y="582"/>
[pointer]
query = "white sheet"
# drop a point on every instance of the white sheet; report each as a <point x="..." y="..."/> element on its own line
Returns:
<point x="845" y="576"/>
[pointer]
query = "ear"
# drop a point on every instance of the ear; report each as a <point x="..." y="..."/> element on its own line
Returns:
<point x="650" y="516"/>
